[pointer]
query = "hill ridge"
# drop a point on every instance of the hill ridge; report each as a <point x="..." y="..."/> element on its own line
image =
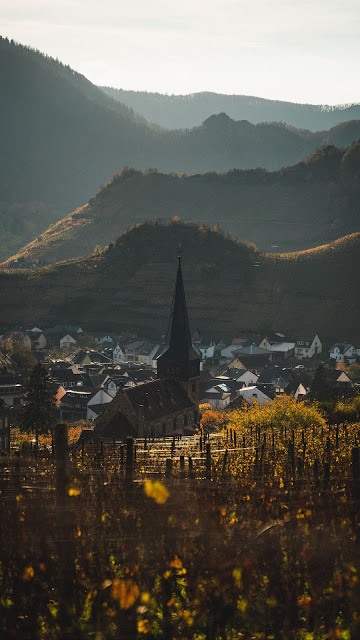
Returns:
<point x="231" y="287"/>
<point x="308" y="204"/>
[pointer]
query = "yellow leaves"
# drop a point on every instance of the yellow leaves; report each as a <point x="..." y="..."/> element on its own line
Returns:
<point x="176" y="563"/>
<point x="236" y="574"/>
<point x="281" y="483"/>
<point x="157" y="491"/>
<point x="242" y="604"/>
<point x="73" y="492"/>
<point x="304" y="601"/>
<point x="126" y="592"/>
<point x="28" y="574"/>
<point x="271" y="602"/>
<point x="143" y="626"/>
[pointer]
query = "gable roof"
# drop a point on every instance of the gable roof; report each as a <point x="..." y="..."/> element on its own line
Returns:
<point x="151" y="401"/>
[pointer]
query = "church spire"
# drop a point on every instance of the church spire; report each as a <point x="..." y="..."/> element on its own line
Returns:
<point x="181" y="359"/>
<point x="179" y="336"/>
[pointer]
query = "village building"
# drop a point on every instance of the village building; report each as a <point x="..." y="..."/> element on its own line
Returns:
<point x="343" y="352"/>
<point x="169" y="404"/>
<point x="307" y="347"/>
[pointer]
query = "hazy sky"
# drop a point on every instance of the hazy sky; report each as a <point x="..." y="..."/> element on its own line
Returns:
<point x="303" y="51"/>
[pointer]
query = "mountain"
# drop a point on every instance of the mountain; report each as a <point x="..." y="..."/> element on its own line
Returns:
<point x="64" y="137"/>
<point x="187" y="111"/>
<point x="230" y="286"/>
<point x="295" y="208"/>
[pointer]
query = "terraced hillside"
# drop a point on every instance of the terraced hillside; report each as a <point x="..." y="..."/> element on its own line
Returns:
<point x="130" y="286"/>
<point x="296" y="208"/>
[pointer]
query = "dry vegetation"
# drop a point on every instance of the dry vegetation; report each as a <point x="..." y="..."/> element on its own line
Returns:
<point x="257" y="537"/>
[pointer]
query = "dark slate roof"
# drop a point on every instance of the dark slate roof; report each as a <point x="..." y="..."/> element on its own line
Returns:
<point x="274" y="374"/>
<point x="118" y="427"/>
<point x="254" y="361"/>
<point x="292" y="386"/>
<point x="233" y="372"/>
<point x="95" y="356"/>
<point x="159" y="398"/>
<point x="268" y="389"/>
<point x="97" y="408"/>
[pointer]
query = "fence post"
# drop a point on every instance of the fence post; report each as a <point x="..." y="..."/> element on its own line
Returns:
<point x="224" y="463"/>
<point x="182" y="465"/>
<point x="168" y="468"/>
<point x="355" y="465"/>
<point x="208" y="459"/>
<point x="129" y="455"/>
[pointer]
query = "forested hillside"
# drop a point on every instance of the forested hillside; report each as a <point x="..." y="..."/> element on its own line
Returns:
<point x="187" y="111"/>
<point x="295" y="208"/>
<point x="131" y="286"/>
<point x="64" y="137"/>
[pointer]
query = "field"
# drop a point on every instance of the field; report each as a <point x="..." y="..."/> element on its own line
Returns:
<point x="241" y="534"/>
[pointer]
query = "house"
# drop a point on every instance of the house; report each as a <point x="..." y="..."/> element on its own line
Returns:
<point x="307" y="347"/>
<point x="259" y="393"/>
<point x="118" y="354"/>
<point x="240" y="375"/>
<point x="339" y="380"/>
<point x="37" y="339"/>
<point x="67" y="341"/>
<point x="132" y="349"/>
<point x="96" y="404"/>
<point x="72" y="403"/>
<point x="343" y="351"/>
<point x="282" y="350"/>
<point x="216" y="397"/>
<point x="253" y="362"/>
<point x="293" y="388"/>
<point x="168" y="404"/>
<point x="70" y="377"/>
<point x="146" y="353"/>
<point x="207" y="350"/>
<point x="11" y="390"/>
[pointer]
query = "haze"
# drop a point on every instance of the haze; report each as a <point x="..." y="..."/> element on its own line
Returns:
<point x="302" y="52"/>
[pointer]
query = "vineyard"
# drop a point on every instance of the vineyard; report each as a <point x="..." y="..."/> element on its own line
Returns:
<point x="248" y="533"/>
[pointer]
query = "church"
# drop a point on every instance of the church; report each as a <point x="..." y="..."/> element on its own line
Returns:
<point x="169" y="404"/>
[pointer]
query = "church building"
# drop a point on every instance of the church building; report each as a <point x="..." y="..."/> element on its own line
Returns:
<point x="169" y="404"/>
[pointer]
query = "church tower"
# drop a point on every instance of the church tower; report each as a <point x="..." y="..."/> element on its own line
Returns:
<point x="181" y="359"/>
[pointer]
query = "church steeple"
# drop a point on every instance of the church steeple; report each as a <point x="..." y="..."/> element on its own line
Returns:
<point x="180" y="360"/>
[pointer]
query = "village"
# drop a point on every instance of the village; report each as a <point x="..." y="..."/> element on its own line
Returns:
<point x="88" y="370"/>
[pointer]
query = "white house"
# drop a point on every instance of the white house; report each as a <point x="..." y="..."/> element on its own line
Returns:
<point x="67" y="341"/>
<point x="118" y="354"/>
<point x="343" y="351"/>
<point x="207" y="351"/>
<point x="256" y="393"/>
<point x="95" y="404"/>
<point x="240" y="375"/>
<point x="307" y="347"/>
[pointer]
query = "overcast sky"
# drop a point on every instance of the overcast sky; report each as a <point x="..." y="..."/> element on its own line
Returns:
<point x="303" y="51"/>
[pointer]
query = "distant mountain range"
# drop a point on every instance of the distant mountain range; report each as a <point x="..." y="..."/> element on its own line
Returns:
<point x="230" y="287"/>
<point x="62" y="137"/>
<point x="188" y="111"/>
<point x="296" y="208"/>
